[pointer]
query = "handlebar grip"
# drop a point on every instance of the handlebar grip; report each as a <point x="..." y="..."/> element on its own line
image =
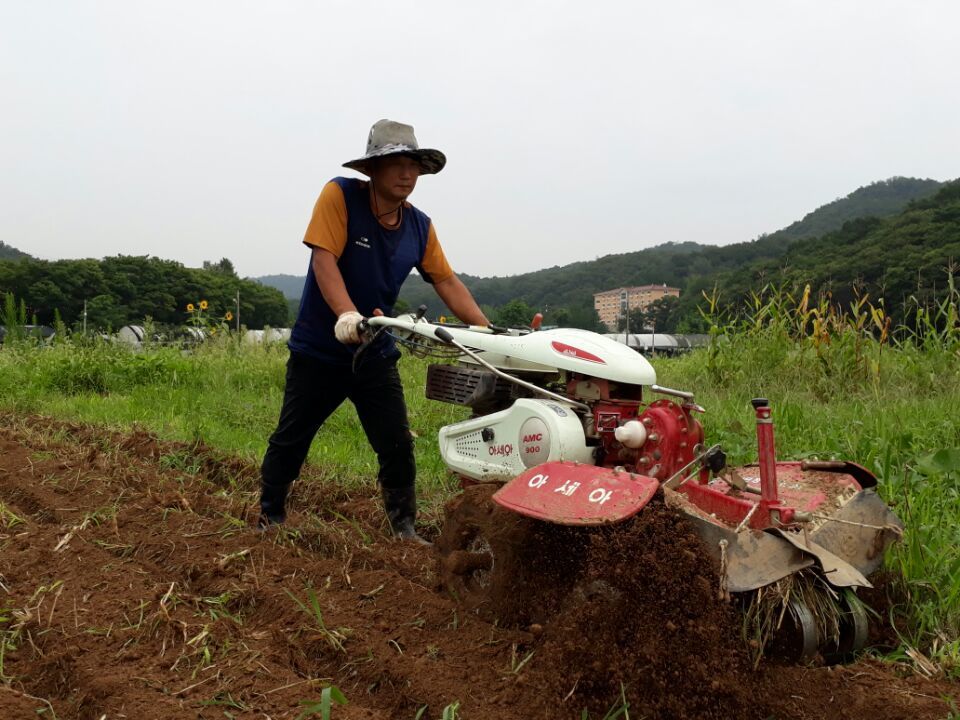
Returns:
<point x="443" y="334"/>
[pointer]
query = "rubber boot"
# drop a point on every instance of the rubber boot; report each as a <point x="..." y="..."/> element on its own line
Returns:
<point x="401" y="507"/>
<point x="273" y="499"/>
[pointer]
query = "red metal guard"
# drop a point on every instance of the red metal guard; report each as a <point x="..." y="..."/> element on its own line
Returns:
<point x="569" y="493"/>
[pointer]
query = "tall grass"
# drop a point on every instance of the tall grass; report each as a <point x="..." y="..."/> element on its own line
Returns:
<point x="221" y="393"/>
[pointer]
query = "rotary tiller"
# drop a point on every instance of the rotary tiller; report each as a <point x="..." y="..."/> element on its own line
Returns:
<point x="568" y="428"/>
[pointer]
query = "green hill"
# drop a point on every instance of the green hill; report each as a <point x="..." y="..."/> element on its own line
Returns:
<point x="8" y="252"/>
<point x="906" y="255"/>
<point x="879" y="199"/>
<point x="290" y="285"/>
<point x="679" y="265"/>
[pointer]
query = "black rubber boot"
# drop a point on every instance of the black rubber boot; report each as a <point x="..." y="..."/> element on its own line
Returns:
<point x="401" y="507"/>
<point x="273" y="499"/>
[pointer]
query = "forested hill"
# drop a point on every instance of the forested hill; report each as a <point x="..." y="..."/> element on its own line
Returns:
<point x="8" y="252"/>
<point x="677" y="264"/>
<point x="894" y="258"/>
<point x="290" y="285"/>
<point x="880" y="199"/>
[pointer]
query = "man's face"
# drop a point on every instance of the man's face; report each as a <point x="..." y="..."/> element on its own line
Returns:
<point x="395" y="176"/>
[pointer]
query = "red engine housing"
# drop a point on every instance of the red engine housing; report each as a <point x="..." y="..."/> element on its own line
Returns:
<point x="673" y="436"/>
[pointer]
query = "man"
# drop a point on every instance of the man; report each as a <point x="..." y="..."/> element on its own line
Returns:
<point x="365" y="238"/>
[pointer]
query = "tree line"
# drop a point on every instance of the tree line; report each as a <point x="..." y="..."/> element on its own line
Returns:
<point x="125" y="289"/>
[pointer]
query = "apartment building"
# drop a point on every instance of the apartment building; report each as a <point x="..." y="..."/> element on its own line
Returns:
<point x="612" y="304"/>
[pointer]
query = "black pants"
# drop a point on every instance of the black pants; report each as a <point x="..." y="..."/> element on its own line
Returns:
<point x="314" y="390"/>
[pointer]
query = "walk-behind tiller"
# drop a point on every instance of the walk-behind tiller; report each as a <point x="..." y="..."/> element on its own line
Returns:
<point x="564" y="432"/>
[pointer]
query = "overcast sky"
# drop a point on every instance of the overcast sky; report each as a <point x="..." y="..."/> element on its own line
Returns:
<point x="199" y="130"/>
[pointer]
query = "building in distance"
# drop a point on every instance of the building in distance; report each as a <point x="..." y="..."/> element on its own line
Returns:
<point x="614" y="304"/>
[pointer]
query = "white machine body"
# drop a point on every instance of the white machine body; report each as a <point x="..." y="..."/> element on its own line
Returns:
<point x="502" y="445"/>
<point x="532" y="431"/>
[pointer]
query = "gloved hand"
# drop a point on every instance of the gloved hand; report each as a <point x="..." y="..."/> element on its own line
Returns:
<point x="347" y="327"/>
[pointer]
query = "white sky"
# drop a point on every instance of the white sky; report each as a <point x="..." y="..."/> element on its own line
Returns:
<point x="197" y="130"/>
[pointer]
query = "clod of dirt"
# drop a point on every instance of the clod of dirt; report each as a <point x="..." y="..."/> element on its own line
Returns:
<point x="643" y="623"/>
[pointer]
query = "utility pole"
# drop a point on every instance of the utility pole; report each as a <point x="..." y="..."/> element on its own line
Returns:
<point x="238" y="312"/>
<point x="84" y="317"/>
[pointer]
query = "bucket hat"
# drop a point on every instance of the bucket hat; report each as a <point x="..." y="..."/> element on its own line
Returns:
<point x="393" y="138"/>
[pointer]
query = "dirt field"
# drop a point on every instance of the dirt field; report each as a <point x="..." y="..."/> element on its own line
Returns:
<point x="133" y="586"/>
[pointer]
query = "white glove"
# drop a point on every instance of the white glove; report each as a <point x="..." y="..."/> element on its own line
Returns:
<point x="347" y="328"/>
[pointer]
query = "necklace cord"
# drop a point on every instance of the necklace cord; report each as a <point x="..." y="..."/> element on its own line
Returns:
<point x="376" y="207"/>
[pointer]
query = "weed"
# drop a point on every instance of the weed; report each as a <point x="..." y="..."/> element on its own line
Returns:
<point x="516" y="664"/>
<point x="8" y="640"/>
<point x="324" y="706"/>
<point x="143" y="605"/>
<point x="619" y="709"/>
<point x="8" y="518"/>
<point x="122" y="550"/>
<point x="231" y="525"/>
<point x="182" y="460"/>
<point x="205" y="647"/>
<point x="334" y="636"/>
<point x="226" y="699"/>
<point x="217" y="607"/>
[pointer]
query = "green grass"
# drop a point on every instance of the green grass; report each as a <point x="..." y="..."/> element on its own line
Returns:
<point x="847" y="391"/>
<point x="227" y="396"/>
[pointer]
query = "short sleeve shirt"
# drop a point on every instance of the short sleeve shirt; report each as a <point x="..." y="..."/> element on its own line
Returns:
<point x="374" y="261"/>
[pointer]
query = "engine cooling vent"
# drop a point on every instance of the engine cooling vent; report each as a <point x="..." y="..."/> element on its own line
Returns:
<point x="469" y="445"/>
<point x="480" y="389"/>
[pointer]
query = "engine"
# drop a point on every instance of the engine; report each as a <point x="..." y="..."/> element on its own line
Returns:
<point x="503" y="444"/>
<point x="511" y="432"/>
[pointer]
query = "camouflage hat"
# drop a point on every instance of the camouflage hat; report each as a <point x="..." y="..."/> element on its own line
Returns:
<point x="392" y="138"/>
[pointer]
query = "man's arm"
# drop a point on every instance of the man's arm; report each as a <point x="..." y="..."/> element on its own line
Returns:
<point x="330" y="281"/>
<point x="456" y="296"/>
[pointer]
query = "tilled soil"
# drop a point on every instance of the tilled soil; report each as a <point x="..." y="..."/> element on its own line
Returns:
<point x="132" y="585"/>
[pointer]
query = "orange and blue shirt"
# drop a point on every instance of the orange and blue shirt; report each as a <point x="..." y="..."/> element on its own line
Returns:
<point x="373" y="259"/>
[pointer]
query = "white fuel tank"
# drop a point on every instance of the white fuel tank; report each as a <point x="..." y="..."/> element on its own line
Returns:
<point x="546" y="351"/>
<point x="564" y="349"/>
